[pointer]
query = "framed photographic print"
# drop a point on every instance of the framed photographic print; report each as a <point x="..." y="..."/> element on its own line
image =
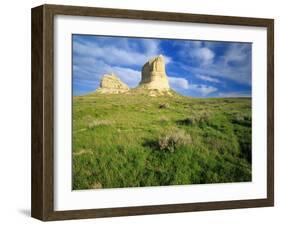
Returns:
<point x="141" y="112"/>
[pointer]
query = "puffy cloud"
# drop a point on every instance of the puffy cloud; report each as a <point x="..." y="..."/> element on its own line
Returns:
<point x="89" y="73"/>
<point x="178" y="83"/>
<point x="233" y="61"/>
<point x="203" y="90"/>
<point x="121" y="52"/>
<point x="111" y="54"/>
<point x="181" y="83"/>
<point x="236" y="53"/>
<point x="196" y="52"/>
<point x="203" y="54"/>
<point x="129" y="76"/>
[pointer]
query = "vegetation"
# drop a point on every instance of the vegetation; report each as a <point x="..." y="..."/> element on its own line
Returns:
<point x="132" y="140"/>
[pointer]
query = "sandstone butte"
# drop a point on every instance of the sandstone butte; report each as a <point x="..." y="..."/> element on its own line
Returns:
<point x="153" y="79"/>
<point x="153" y="75"/>
<point x="110" y="83"/>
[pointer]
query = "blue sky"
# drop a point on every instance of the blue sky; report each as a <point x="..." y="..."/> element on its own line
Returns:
<point x="194" y="67"/>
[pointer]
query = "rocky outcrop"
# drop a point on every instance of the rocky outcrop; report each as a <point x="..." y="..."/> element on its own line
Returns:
<point x="111" y="84"/>
<point x="153" y="75"/>
<point x="154" y="81"/>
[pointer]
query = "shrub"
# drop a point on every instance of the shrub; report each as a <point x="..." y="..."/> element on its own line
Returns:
<point x="174" y="139"/>
<point x="201" y="118"/>
<point x="242" y="119"/>
<point x="96" y="185"/>
<point x="99" y="122"/>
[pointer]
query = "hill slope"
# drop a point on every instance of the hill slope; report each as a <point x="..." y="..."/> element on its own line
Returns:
<point x="133" y="139"/>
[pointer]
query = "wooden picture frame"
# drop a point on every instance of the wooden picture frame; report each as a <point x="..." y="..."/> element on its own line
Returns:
<point x="42" y="204"/>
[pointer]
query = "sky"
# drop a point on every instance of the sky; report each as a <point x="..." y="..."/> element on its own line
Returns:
<point x="194" y="68"/>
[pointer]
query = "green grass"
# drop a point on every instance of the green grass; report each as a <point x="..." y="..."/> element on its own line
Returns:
<point x="132" y="140"/>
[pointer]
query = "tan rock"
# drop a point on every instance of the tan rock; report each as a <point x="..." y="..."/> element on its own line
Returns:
<point x="154" y="74"/>
<point x="110" y="83"/>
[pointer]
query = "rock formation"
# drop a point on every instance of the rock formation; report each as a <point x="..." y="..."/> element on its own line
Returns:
<point x="154" y="81"/>
<point x="110" y="83"/>
<point x="153" y="75"/>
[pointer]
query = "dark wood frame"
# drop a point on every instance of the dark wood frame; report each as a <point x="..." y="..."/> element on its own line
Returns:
<point x="42" y="203"/>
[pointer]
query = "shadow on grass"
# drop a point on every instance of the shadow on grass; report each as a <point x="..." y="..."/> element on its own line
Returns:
<point x="186" y="121"/>
<point x="152" y="144"/>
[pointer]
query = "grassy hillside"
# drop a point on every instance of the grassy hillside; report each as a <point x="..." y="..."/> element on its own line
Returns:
<point x="132" y="140"/>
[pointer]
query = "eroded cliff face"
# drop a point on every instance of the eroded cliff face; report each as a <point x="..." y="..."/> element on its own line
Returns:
<point x="153" y="75"/>
<point x="110" y="83"/>
<point x="154" y="80"/>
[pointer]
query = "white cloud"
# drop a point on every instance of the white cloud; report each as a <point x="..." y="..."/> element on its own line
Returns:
<point x="122" y="53"/>
<point x="86" y="82"/>
<point x="236" y="53"/>
<point x="208" y="78"/>
<point x="203" y="54"/>
<point x="195" y="51"/>
<point x="197" y="44"/>
<point x="167" y="59"/>
<point x="204" y="90"/>
<point x="124" y="57"/>
<point x="178" y="83"/>
<point x="241" y="74"/>
<point x="129" y="76"/>
<point x="151" y="46"/>
<point x="110" y="54"/>
<point x="233" y="64"/>
<point x="89" y="73"/>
